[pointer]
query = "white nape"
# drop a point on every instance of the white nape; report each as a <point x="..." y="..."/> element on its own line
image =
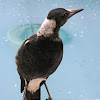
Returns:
<point x="47" y="28"/>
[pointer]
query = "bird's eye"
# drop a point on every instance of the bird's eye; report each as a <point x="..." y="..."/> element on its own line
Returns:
<point x="64" y="15"/>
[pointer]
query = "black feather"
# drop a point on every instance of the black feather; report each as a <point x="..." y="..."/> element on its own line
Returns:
<point x="40" y="57"/>
<point x="29" y="96"/>
<point x="22" y="85"/>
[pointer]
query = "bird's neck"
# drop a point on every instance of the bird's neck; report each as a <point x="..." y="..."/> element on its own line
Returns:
<point x="48" y="28"/>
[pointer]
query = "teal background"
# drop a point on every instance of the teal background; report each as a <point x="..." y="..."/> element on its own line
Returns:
<point x="78" y="76"/>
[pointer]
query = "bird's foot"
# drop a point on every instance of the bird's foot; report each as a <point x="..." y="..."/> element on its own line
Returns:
<point x="49" y="98"/>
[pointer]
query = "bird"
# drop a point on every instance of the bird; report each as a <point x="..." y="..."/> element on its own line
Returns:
<point x="40" y="55"/>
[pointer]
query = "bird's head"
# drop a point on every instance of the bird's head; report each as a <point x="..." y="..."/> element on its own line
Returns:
<point x="55" y="19"/>
<point x="61" y="15"/>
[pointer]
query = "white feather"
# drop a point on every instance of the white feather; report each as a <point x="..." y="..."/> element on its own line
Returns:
<point x="26" y="42"/>
<point x="47" y="28"/>
<point x="34" y="84"/>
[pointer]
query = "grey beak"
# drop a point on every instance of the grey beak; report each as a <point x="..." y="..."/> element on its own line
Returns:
<point x="73" y="12"/>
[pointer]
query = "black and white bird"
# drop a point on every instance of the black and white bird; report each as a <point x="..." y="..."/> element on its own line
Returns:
<point x="40" y="55"/>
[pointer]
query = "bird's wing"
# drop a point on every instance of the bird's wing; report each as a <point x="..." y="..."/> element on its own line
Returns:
<point x="34" y="56"/>
<point x="22" y="85"/>
<point x="24" y="49"/>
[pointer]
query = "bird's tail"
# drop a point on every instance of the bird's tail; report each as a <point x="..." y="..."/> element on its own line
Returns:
<point x="32" y="89"/>
<point x="29" y="96"/>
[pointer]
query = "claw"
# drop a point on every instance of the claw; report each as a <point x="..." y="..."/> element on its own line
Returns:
<point x="49" y="98"/>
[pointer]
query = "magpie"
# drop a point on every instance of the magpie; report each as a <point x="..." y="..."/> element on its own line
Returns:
<point x="40" y="55"/>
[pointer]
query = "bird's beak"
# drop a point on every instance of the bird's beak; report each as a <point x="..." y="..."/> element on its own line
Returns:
<point x="73" y="12"/>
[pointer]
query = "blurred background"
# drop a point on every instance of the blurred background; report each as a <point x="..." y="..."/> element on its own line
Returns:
<point x="78" y="76"/>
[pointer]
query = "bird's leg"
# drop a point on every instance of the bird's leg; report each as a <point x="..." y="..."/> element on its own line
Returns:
<point x="50" y="98"/>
